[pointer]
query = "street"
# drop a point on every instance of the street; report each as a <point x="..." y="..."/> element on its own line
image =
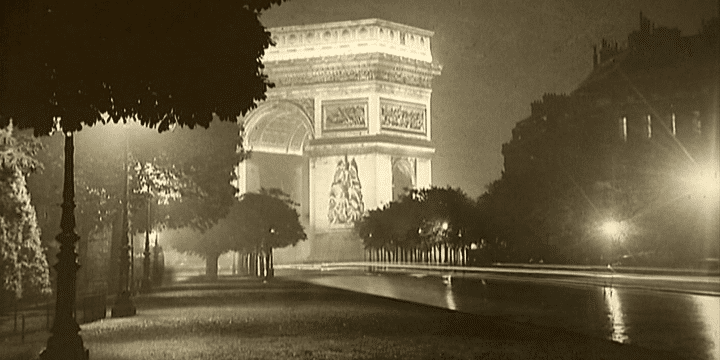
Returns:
<point x="684" y="323"/>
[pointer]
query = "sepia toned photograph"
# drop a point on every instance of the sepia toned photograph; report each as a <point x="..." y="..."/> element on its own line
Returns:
<point x="369" y="179"/>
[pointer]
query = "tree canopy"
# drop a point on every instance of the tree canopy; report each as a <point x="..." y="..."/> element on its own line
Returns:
<point x="422" y="219"/>
<point x="267" y="219"/>
<point x="164" y="63"/>
<point x="258" y="221"/>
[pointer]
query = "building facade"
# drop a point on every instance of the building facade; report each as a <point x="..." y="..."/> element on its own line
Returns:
<point x="638" y="139"/>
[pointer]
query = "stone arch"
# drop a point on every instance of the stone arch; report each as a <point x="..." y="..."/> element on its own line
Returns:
<point x="279" y="127"/>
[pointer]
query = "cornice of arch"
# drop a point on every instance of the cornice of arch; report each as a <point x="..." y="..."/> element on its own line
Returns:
<point x="347" y="68"/>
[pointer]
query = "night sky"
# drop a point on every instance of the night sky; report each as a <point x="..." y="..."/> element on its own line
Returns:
<point x="498" y="56"/>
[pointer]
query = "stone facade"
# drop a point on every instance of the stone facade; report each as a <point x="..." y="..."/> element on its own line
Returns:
<point x="349" y="98"/>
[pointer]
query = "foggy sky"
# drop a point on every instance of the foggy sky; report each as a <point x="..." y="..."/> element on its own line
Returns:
<point x="498" y="56"/>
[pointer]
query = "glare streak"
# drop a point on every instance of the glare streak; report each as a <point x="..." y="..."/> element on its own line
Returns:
<point x="450" y="299"/>
<point x="616" y="316"/>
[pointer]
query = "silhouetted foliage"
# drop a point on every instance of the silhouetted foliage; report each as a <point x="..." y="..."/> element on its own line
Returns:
<point x="422" y="219"/>
<point x="164" y="63"/>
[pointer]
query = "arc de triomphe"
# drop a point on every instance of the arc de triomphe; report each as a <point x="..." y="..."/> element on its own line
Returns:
<point x="346" y="128"/>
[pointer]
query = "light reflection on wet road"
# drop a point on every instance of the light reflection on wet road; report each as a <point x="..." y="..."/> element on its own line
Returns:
<point x="686" y="324"/>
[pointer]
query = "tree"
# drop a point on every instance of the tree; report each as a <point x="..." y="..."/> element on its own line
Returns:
<point x="24" y="271"/>
<point x="267" y="220"/>
<point x="73" y="64"/>
<point x="153" y="186"/>
<point x="256" y="224"/>
<point x="433" y="220"/>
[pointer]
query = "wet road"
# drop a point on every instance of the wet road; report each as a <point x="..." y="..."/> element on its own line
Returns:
<point x="687" y="324"/>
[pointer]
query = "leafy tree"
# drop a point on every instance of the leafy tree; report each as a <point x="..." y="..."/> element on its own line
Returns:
<point x="395" y="226"/>
<point x="24" y="271"/>
<point x="203" y="161"/>
<point x="72" y="64"/>
<point x="267" y="220"/>
<point x="441" y="218"/>
<point x="257" y="223"/>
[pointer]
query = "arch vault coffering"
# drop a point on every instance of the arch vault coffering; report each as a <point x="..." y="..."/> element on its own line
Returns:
<point x="278" y="127"/>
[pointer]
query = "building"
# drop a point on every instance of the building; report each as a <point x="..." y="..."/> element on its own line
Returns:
<point x="346" y="128"/>
<point x="638" y="138"/>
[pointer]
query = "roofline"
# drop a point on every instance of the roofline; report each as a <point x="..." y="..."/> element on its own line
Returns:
<point x="340" y="24"/>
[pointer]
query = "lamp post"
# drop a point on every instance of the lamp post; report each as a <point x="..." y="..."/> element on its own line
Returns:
<point x="123" y="304"/>
<point x="614" y="230"/>
<point x="157" y="271"/>
<point x="270" y="272"/>
<point x="146" y="286"/>
<point x="65" y="341"/>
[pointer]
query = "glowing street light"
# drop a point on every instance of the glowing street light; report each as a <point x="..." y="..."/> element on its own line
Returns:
<point x="613" y="229"/>
<point x="704" y="182"/>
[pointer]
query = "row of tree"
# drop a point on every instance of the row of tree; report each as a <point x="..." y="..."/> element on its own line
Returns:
<point x="178" y="184"/>
<point x="71" y="65"/>
<point x="434" y="225"/>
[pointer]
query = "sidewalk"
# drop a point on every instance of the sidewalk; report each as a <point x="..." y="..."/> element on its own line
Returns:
<point x="241" y="318"/>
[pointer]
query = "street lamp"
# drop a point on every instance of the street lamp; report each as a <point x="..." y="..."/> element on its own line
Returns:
<point x="123" y="304"/>
<point x="65" y="341"/>
<point x="705" y="183"/>
<point x="615" y="230"/>
<point x="146" y="282"/>
<point x="270" y="272"/>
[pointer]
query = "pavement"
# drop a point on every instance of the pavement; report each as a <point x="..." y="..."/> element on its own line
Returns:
<point x="245" y="318"/>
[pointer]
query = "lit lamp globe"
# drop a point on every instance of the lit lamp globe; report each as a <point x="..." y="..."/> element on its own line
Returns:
<point x="613" y="229"/>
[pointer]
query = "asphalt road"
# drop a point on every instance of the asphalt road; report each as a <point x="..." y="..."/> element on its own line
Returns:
<point x="662" y="314"/>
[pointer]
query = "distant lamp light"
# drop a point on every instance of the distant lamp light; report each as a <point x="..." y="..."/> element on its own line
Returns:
<point x="706" y="182"/>
<point x="445" y="225"/>
<point x="613" y="229"/>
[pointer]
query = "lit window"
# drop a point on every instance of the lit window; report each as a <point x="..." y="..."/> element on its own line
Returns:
<point x="697" y="123"/>
<point x="648" y="123"/>
<point x="673" y="128"/>
<point x="623" y="128"/>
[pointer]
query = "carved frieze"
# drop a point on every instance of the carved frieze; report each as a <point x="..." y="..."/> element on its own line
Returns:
<point x="344" y="75"/>
<point x="345" y="114"/>
<point x="353" y="68"/>
<point x="396" y="115"/>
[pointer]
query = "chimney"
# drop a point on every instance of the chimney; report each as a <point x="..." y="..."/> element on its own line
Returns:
<point x="595" y="57"/>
